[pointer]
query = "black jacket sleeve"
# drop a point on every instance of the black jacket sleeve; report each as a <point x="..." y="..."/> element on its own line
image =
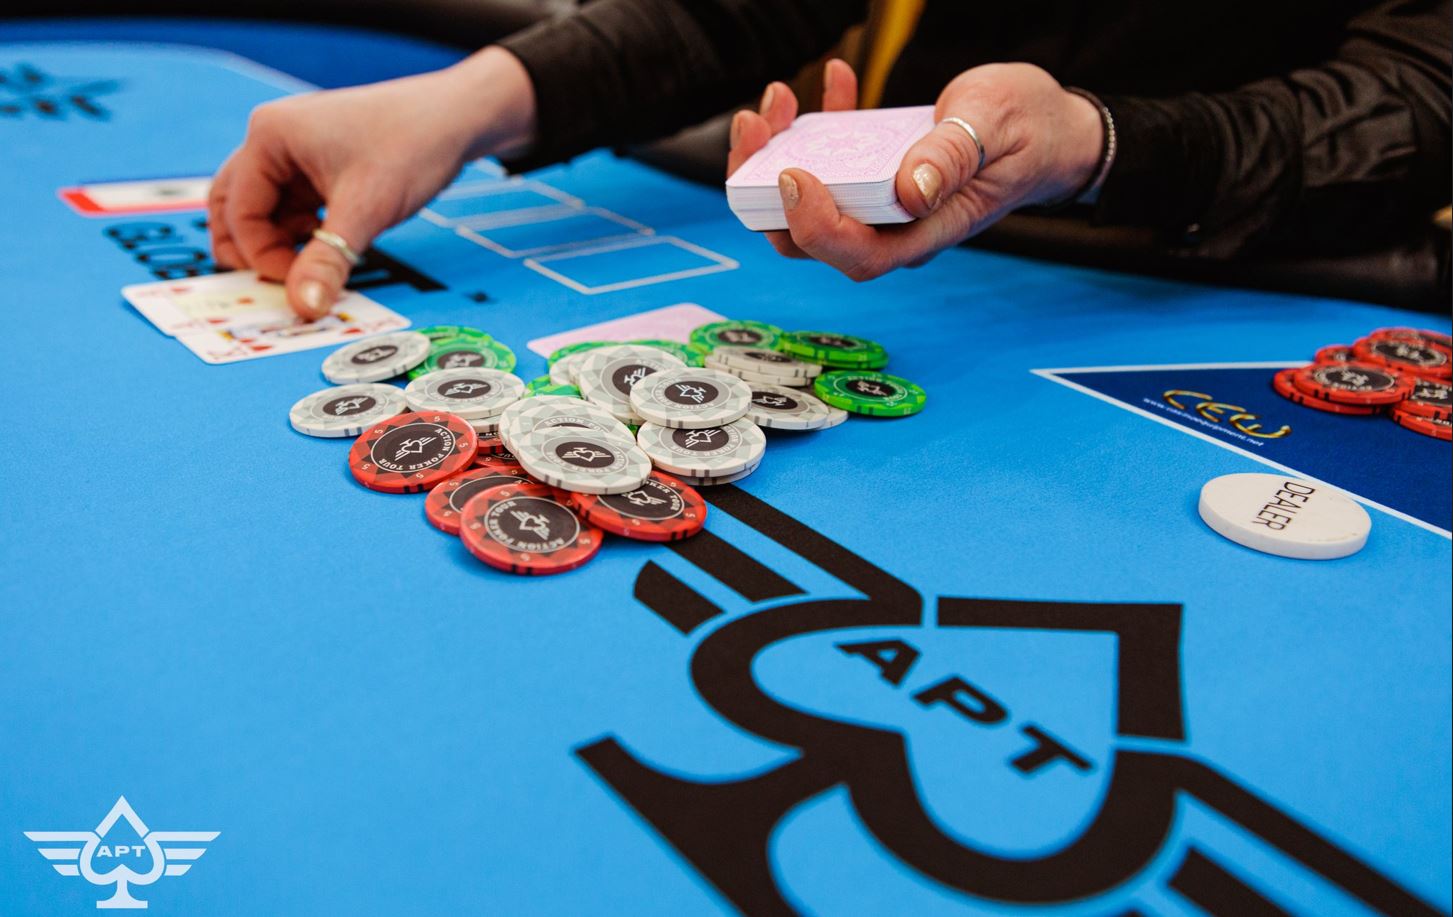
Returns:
<point x="622" y="71"/>
<point x="1327" y="158"/>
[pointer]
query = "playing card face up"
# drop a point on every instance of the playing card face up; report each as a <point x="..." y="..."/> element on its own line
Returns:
<point x="856" y="154"/>
<point x="234" y="316"/>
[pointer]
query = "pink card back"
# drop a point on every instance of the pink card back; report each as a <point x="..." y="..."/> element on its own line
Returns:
<point x="840" y="146"/>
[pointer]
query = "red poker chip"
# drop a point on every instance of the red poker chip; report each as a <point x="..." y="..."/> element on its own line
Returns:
<point x="1415" y="334"/>
<point x="412" y="452"/>
<point x="1419" y="356"/>
<point x="1334" y="353"/>
<point x="1428" y="426"/>
<point x="1284" y="386"/>
<point x="1353" y="383"/>
<point x="1430" y="398"/>
<point x="483" y="459"/>
<point x="527" y="529"/>
<point x="491" y="444"/>
<point x="504" y="462"/>
<point x="445" y="502"/>
<point x="661" y="509"/>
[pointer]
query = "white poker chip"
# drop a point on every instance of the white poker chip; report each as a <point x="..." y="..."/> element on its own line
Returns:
<point x="1281" y="515"/>
<point x="607" y="374"/>
<point x="780" y="407"/>
<point x="712" y="452"/>
<point x="583" y="460"/>
<point x="562" y="371"/>
<point x="485" y="424"/>
<point x="725" y="479"/>
<point x="376" y="358"/>
<point x="838" y="416"/>
<point x="764" y="362"/>
<point x="691" y="398"/>
<point x="471" y="392"/>
<point x="542" y="411"/>
<point x="755" y="378"/>
<point x="346" y="410"/>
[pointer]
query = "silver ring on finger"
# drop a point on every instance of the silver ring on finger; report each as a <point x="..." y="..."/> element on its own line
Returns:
<point x="341" y="246"/>
<point x="973" y="135"/>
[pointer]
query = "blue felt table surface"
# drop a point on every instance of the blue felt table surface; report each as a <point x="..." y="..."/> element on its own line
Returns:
<point x="202" y="611"/>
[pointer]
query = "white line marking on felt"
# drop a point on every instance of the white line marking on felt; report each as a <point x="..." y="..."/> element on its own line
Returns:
<point x="547" y="213"/>
<point x="720" y="263"/>
<point x="1263" y="364"/>
<point x="499" y="218"/>
<point x="490" y="187"/>
<point x="1051" y="375"/>
<point x="629" y="228"/>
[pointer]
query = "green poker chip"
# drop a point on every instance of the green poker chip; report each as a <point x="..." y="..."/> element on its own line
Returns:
<point x="832" y="349"/>
<point x="691" y="356"/>
<point x="712" y="335"/>
<point x="578" y="346"/>
<point x="445" y="332"/>
<point x="465" y="350"/>
<point x="871" y="393"/>
<point x="874" y="364"/>
<point x="543" y="385"/>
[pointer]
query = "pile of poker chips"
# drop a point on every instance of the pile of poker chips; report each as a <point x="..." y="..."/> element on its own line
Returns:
<point x="1406" y="373"/>
<point x="441" y="434"/>
<point x="531" y="476"/>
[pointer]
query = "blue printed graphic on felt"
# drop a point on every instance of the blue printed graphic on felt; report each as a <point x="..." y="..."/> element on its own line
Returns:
<point x="1368" y="456"/>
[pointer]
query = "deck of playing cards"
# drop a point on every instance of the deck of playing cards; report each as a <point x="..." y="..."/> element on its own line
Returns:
<point x="855" y="153"/>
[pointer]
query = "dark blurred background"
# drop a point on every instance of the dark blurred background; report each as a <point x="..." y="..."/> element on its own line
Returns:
<point x="333" y="43"/>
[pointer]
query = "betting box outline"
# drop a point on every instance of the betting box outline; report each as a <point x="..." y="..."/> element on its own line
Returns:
<point x="490" y="187"/>
<point x="633" y="235"/>
<point x="1053" y="375"/>
<point x="718" y="264"/>
<point x="628" y="228"/>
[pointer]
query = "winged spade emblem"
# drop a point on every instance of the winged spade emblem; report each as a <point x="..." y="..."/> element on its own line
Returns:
<point x="88" y="855"/>
<point x="723" y="828"/>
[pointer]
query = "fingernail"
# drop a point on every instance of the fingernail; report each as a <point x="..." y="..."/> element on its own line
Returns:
<point x="736" y="135"/>
<point x="929" y="182"/>
<point x="314" y="297"/>
<point x="787" y="185"/>
<point x="767" y="99"/>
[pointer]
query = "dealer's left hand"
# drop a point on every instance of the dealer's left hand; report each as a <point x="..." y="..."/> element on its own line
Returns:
<point x="1041" y="144"/>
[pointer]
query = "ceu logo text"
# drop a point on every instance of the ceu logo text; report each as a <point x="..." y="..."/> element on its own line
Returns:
<point x="1211" y="409"/>
<point x="88" y="855"/>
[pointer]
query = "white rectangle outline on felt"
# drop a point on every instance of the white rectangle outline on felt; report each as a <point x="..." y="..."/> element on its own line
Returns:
<point x="719" y="263"/>
<point x="1053" y="376"/>
<point x="487" y="188"/>
<point x="628" y="226"/>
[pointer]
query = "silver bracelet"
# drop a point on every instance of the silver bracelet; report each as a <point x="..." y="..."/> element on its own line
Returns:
<point x="1090" y="192"/>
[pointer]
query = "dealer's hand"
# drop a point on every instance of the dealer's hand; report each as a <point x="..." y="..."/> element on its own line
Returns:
<point x="1041" y="143"/>
<point x="371" y="156"/>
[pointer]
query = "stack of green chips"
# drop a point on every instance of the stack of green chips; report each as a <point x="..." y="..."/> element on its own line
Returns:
<point x="838" y="351"/>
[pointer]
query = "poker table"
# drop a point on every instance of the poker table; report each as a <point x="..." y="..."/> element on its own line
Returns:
<point x="985" y="659"/>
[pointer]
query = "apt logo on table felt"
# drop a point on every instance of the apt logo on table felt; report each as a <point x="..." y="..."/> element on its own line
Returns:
<point x="28" y="91"/>
<point x="123" y="852"/>
<point x="1025" y="752"/>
